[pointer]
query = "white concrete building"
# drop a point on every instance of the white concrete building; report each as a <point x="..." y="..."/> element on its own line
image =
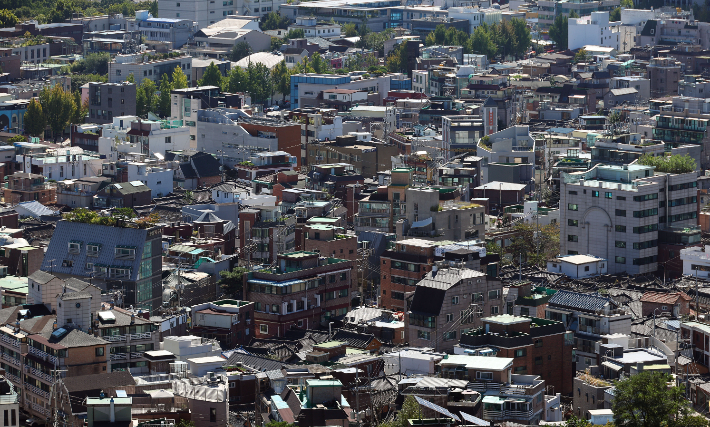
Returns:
<point x="68" y="163"/>
<point x="594" y="29"/>
<point x="158" y="137"/>
<point x="144" y="66"/>
<point x="578" y="266"/>
<point x="312" y="28"/>
<point x="696" y="260"/>
<point x="189" y="347"/>
<point x="158" y="179"/>
<point x="476" y="16"/>
<point x="410" y="361"/>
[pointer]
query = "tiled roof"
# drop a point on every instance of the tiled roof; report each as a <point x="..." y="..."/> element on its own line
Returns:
<point x="354" y="339"/>
<point x="41" y="277"/>
<point x="575" y="300"/>
<point x="663" y="297"/>
<point x="255" y="362"/>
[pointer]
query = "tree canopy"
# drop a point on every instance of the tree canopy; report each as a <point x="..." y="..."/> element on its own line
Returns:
<point x="240" y="50"/>
<point x="231" y="281"/>
<point x="558" y="31"/>
<point x="57" y="105"/>
<point x="212" y="76"/>
<point x="669" y="164"/>
<point x="35" y="120"/>
<point x="504" y="38"/>
<point x="273" y="21"/>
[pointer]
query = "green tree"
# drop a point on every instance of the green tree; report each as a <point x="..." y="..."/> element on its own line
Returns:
<point x="627" y="4"/>
<point x="615" y="15"/>
<point x="521" y="33"/>
<point x="164" y="100"/>
<point x="260" y="84"/>
<point x="185" y="423"/>
<point x="79" y="110"/>
<point x="278" y="424"/>
<point x="58" y="106"/>
<point x="131" y="78"/>
<point x="297" y="33"/>
<point x="79" y="80"/>
<point x="281" y="76"/>
<point x="398" y="59"/>
<point x="63" y="10"/>
<point x="376" y="41"/>
<point x="92" y="63"/>
<point x="238" y="80"/>
<point x="577" y="422"/>
<point x="17" y="138"/>
<point x="545" y="241"/>
<point x="273" y="21"/>
<point x="482" y="42"/>
<point x="240" y="50"/>
<point x="319" y="64"/>
<point x="349" y="29"/>
<point x="573" y="14"/>
<point x="558" y="31"/>
<point x="410" y="410"/>
<point x="231" y="282"/>
<point x="7" y="18"/>
<point x="669" y="164"/>
<point x="276" y="44"/>
<point x="212" y="76"/>
<point x="179" y="79"/>
<point x="35" y="120"/>
<point x="582" y="56"/>
<point x="646" y="400"/>
<point x="146" y="99"/>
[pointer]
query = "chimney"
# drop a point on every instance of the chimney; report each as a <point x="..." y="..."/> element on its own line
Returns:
<point x="112" y="412"/>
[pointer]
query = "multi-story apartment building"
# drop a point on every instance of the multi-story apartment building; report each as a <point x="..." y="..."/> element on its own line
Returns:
<point x="449" y="301"/>
<point x="26" y="187"/>
<point x="664" y="74"/>
<point x="549" y="9"/>
<point x="75" y="164"/>
<point x="511" y="145"/>
<point x="129" y="336"/>
<point x="623" y="213"/>
<point x="510" y="396"/>
<point x="460" y="134"/>
<point x="9" y="404"/>
<point x="158" y="179"/>
<point x="593" y="29"/>
<point x="79" y="193"/>
<point x="366" y="154"/>
<point x="624" y="149"/>
<point x="304" y="290"/>
<point x="234" y="136"/>
<point x="685" y="122"/>
<point x="693" y="86"/>
<point x="381" y="210"/>
<point x="589" y="317"/>
<point x="109" y="100"/>
<point x="158" y="137"/>
<point x="144" y="66"/>
<point x="312" y="28"/>
<point x="438" y="212"/>
<point x="126" y="258"/>
<point x="328" y="239"/>
<point x="538" y="347"/>
<point x="227" y="321"/>
<point x="307" y="89"/>
<point x="176" y="31"/>
<point x="264" y="232"/>
<point x="333" y="178"/>
<point x="402" y="268"/>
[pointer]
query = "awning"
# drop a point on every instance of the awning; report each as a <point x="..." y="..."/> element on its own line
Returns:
<point x="493" y="399"/>
<point x="612" y="366"/>
<point x="422" y="223"/>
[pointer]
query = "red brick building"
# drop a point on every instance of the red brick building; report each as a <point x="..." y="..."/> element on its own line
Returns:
<point x="288" y="135"/>
<point x="538" y="347"/>
<point x="26" y="187"/>
<point x="402" y="268"/>
<point x="227" y="321"/>
<point x="304" y="290"/>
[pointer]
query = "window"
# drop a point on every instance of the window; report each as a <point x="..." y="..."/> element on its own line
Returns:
<point x="74" y="247"/>
<point x="645" y="245"/>
<point x="620" y="212"/>
<point x="477" y="297"/>
<point x="521" y="352"/>
<point x="538" y="360"/>
<point x="595" y="193"/>
<point x="620" y="228"/>
<point x="574" y="193"/>
<point x="521" y="370"/>
<point x="454" y="300"/>
<point x="538" y="343"/>
<point x="99" y="351"/>
<point x="484" y="375"/>
<point x="620" y="260"/>
<point x="494" y="310"/>
<point x="620" y="244"/>
<point x="423" y="335"/>
<point x="450" y="336"/>
<point x="264" y="329"/>
<point x="494" y="294"/>
<point x="607" y="195"/>
<point x="524" y="311"/>
<point x="213" y="415"/>
<point x="572" y="222"/>
<point x="645" y="213"/>
<point x="449" y="317"/>
<point x="572" y="207"/>
<point x="572" y="238"/>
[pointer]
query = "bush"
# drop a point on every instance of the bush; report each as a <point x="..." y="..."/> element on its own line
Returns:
<point x="669" y="164"/>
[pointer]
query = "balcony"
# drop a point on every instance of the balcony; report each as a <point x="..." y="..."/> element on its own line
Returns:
<point x="38" y="391"/>
<point x="14" y="378"/>
<point x="38" y="408"/>
<point x="45" y="356"/>
<point x="128" y="337"/>
<point x="41" y="375"/>
<point x="10" y="359"/>
<point x="10" y="341"/>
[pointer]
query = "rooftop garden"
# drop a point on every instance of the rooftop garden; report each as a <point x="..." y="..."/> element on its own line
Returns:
<point x="669" y="164"/>
<point x="119" y="217"/>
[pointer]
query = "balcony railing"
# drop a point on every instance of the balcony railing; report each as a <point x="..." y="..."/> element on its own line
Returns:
<point x="14" y="378"/>
<point x="12" y="342"/>
<point x="11" y="359"/>
<point x="494" y="415"/>
<point x="42" y="375"/>
<point x="39" y="353"/>
<point x="38" y="408"/>
<point x="484" y="385"/>
<point x="122" y="338"/>
<point x="38" y="391"/>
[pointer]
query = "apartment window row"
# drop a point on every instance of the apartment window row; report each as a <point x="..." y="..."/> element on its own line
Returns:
<point x="683" y="186"/>
<point x="646" y="213"/>
<point x="620" y="228"/>
<point x="405" y="266"/>
<point x="646" y="260"/>
<point x="683" y="201"/>
<point x="646" y="229"/>
<point x="646" y="245"/>
<point x="287" y="289"/>
<point x="620" y="212"/>
<point x="572" y="238"/>
<point x="680" y="217"/>
<point x="607" y="194"/>
<point x="573" y="222"/>
<point x="421" y="320"/>
<point x="646" y="197"/>
<point x="404" y="281"/>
